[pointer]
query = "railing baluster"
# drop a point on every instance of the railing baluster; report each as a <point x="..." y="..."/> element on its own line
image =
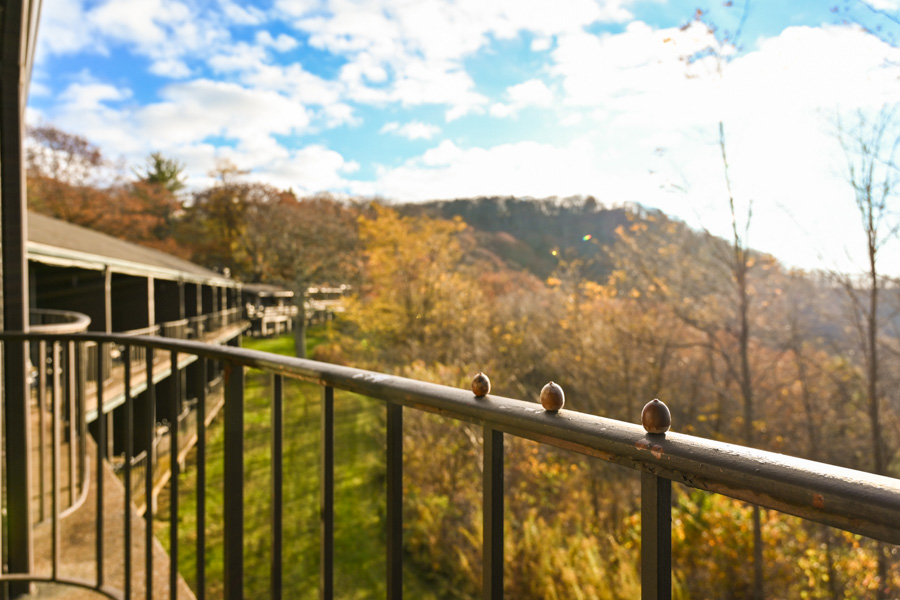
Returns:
<point x="101" y="454"/>
<point x="492" y="499"/>
<point x="394" y="517"/>
<point x="55" y="457"/>
<point x="201" y="479"/>
<point x="175" y="410"/>
<point x="70" y="401"/>
<point x="234" y="481"/>
<point x="42" y="426"/>
<point x="277" y="483"/>
<point x="81" y="367"/>
<point x="129" y="453"/>
<point x="326" y="496"/>
<point x="150" y="429"/>
<point x="656" y="537"/>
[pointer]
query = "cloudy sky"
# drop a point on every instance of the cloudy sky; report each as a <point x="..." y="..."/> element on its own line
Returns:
<point x="428" y="99"/>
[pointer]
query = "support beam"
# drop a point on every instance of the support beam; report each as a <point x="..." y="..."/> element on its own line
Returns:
<point x="107" y="300"/>
<point x="151" y="302"/>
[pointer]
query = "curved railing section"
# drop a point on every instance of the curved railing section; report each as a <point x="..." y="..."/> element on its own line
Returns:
<point x="45" y="320"/>
<point x="67" y="382"/>
<point x="851" y="500"/>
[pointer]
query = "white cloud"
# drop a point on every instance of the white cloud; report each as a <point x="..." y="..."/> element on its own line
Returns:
<point x="189" y="113"/>
<point x="308" y="170"/>
<point x="238" y="58"/>
<point x="282" y="43"/>
<point x="87" y="96"/>
<point x="172" y="68"/>
<point x="417" y="49"/>
<point x="886" y="5"/>
<point x="533" y="92"/>
<point x="541" y="44"/>
<point x="414" y="130"/>
<point x="140" y="22"/>
<point x="638" y="72"/>
<point x="169" y="33"/>
<point x="57" y="35"/>
<point x="242" y="15"/>
<point x="451" y="171"/>
<point x="198" y="109"/>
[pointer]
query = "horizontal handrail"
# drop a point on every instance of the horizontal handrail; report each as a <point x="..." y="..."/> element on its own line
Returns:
<point x="143" y="331"/>
<point x="859" y="502"/>
<point x="175" y="323"/>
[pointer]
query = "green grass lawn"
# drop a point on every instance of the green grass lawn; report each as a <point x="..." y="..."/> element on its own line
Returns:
<point x="359" y="494"/>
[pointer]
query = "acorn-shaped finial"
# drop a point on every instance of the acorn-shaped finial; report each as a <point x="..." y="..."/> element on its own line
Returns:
<point x="552" y="397"/>
<point x="656" y="417"/>
<point x="481" y="385"/>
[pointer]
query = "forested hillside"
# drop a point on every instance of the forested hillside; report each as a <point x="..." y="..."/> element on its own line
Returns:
<point x="533" y="234"/>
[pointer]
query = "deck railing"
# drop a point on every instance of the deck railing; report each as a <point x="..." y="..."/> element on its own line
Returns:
<point x="851" y="500"/>
<point x="175" y="329"/>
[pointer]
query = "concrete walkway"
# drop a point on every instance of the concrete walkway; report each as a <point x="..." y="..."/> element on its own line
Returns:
<point x="78" y="558"/>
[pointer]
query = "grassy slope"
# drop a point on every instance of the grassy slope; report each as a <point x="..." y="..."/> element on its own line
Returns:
<point x="359" y="494"/>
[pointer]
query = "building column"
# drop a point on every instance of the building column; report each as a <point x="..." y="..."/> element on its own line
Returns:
<point x="14" y="219"/>
<point x="151" y="302"/>
<point x="107" y="299"/>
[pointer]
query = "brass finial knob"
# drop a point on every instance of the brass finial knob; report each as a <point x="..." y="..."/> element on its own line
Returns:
<point x="656" y="417"/>
<point x="552" y="397"/>
<point x="481" y="385"/>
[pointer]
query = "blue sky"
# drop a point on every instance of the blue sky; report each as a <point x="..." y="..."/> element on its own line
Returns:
<point x="427" y="99"/>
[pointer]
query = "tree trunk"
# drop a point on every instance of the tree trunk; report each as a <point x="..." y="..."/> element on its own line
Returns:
<point x="300" y="322"/>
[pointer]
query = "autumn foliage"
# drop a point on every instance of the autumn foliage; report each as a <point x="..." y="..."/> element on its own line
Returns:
<point x="653" y="312"/>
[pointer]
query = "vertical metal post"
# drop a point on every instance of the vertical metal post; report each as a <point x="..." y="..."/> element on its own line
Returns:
<point x="201" y="479"/>
<point x="42" y="427"/>
<point x="55" y="418"/>
<point x="70" y="403"/>
<point x="234" y="481"/>
<point x="14" y="75"/>
<point x="277" y="483"/>
<point x="326" y="496"/>
<point x="656" y="537"/>
<point x="80" y="393"/>
<point x="128" y="432"/>
<point x="150" y="434"/>
<point x="101" y="455"/>
<point x="492" y="499"/>
<point x="394" y="501"/>
<point x="175" y="410"/>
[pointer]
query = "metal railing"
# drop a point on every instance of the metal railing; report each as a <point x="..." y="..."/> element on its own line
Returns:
<point x="197" y="326"/>
<point x="162" y="446"/>
<point x="58" y="395"/>
<point x="175" y="329"/>
<point x="858" y="502"/>
<point x="45" y="320"/>
<point x="138" y="353"/>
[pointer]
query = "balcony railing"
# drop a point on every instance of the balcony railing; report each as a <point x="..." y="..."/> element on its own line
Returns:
<point x="45" y="320"/>
<point x="851" y="500"/>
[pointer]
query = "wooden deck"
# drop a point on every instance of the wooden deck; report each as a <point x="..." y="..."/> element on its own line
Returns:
<point x="114" y="386"/>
